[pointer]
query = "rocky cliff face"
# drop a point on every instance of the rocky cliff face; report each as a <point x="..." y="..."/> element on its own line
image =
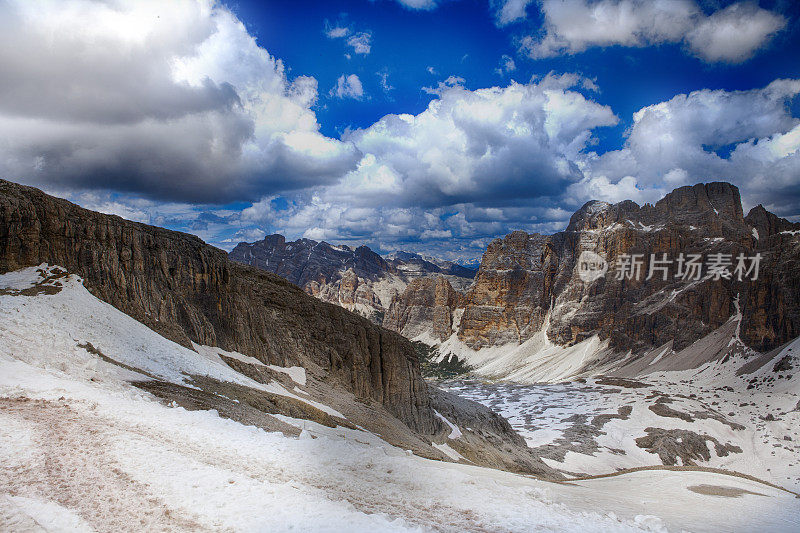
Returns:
<point x="529" y="282"/>
<point x="357" y="279"/>
<point x="427" y="305"/>
<point x="511" y="293"/>
<point x="191" y="292"/>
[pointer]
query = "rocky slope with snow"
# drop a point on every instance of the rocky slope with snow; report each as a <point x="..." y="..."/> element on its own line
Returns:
<point x="725" y="406"/>
<point x="529" y="295"/>
<point x="428" y="307"/>
<point x="357" y="279"/>
<point x="192" y="294"/>
<point x="105" y="425"/>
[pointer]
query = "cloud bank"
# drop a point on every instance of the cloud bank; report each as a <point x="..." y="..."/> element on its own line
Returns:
<point x="160" y="112"/>
<point x="730" y="35"/>
<point x="169" y="99"/>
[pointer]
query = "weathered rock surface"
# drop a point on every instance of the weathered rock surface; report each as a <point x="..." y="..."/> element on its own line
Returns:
<point x="527" y="279"/>
<point x="427" y="305"/>
<point x="357" y="279"/>
<point x="189" y="291"/>
<point x="511" y="293"/>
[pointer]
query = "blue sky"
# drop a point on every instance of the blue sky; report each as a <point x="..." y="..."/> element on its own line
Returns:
<point x="460" y="38"/>
<point x="403" y="124"/>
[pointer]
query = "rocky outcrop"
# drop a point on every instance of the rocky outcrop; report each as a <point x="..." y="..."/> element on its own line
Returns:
<point x="529" y="282"/>
<point x="357" y="279"/>
<point x="772" y="306"/>
<point x="189" y="292"/>
<point x="507" y="302"/>
<point x="427" y="305"/>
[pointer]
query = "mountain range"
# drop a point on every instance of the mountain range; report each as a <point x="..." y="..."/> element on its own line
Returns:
<point x="357" y="374"/>
<point x="158" y="366"/>
<point x="357" y="279"/>
<point x="528" y="291"/>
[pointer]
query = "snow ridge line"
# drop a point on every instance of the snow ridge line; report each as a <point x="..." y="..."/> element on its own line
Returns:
<point x="676" y="468"/>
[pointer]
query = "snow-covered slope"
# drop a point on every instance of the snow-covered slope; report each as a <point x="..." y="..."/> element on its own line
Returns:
<point x="95" y="340"/>
<point x="535" y="360"/>
<point x="81" y="449"/>
<point x="587" y="410"/>
<point x="739" y="411"/>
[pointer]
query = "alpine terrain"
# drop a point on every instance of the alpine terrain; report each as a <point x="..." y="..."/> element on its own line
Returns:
<point x="357" y="279"/>
<point x="143" y="372"/>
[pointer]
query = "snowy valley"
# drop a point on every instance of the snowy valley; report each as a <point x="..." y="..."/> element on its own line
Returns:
<point x="84" y="447"/>
<point x="148" y="382"/>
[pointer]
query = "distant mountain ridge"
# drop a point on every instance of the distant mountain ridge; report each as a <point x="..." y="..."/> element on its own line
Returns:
<point x="357" y="279"/>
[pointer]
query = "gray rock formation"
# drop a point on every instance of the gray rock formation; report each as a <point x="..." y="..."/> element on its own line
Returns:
<point x="525" y="279"/>
<point x="427" y="305"/>
<point x="357" y="279"/>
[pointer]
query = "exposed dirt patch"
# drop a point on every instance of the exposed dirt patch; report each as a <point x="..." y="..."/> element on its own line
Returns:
<point x="48" y="285"/>
<point x="623" y="413"/>
<point x="662" y="409"/>
<point x="719" y="490"/>
<point x="622" y="382"/>
<point x="671" y="444"/>
<point x="581" y="436"/>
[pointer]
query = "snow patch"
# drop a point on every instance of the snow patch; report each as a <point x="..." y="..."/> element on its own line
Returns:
<point x="297" y="373"/>
<point x="455" y="433"/>
<point x="448" y="451"/>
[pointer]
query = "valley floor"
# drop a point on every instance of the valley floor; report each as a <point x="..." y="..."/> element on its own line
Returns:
<point x="81" y="456"/>
<point x="82" y="449"/>
<point x="596" y="426"/>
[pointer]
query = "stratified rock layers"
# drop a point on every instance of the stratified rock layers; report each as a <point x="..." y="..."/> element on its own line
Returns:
<point x="427" y="305"/>
<point x="525" y="279"/>
<point x="189" y="291"/>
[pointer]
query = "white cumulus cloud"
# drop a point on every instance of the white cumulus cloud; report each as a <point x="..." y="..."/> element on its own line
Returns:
<point x="519" y="141"/>
<point x="508" y="11"/>
<point x="733" y="34"/>
<point x="749" y="138"/>
<point x="170" y="99"/>
<point x="348" y="87"/>
<point x="360" y="42"/>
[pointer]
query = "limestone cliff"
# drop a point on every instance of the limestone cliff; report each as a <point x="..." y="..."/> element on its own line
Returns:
<point x="525" y="279"/>
<point x="427" y="305"/>
<point x="189" y="291"/>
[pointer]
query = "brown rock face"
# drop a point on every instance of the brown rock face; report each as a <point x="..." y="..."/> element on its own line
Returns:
<point x="428" y="304"/>
<point x="772" y="306"/>
<point x="507" y="303"/>
<point x="523" y="277"/>
<point x="189" y="291"/>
